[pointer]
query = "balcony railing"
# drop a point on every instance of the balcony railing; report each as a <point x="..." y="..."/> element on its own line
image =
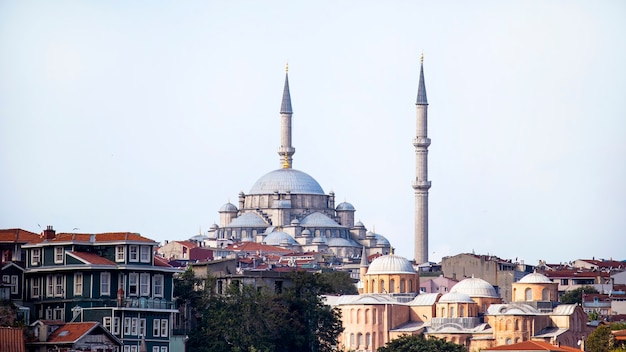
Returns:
<point x="148" y="303"/>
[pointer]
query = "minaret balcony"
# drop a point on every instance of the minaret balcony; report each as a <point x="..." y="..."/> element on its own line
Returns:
<point x="421" y="184"/>
<point x="421" y="142"/>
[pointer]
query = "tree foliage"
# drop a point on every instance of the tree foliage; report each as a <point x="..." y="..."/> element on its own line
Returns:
<point x="245" y="318"/>
<point x="600" y="340"/>
<point x="336" y="282"/>
<point x="576" y="296"/>
<point x="418" y="343"/>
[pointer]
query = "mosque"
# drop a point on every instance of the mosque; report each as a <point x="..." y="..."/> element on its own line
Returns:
<point x="288" y="208"/>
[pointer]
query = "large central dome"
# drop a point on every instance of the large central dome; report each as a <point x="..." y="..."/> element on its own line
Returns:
<point x="286" y="180"/>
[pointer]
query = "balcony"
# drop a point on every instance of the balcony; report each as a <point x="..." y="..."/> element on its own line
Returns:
<point x="147" y="303"/>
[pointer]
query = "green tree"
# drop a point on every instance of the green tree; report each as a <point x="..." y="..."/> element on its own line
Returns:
<point x="576" y="296"/>
<point x="336" y="282"/>
<point x="600" y="340"/>
<point x="417" y="343"/>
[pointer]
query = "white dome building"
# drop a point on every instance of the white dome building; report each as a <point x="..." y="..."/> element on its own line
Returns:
<point x="479" y="290"/>
<point x="390" y="274"/>
<point x="295" y="203"/>
<point x="535" y="287"/>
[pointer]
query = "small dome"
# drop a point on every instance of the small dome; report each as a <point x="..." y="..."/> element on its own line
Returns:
<point x="305" y="232"/>
<point x="286" y="180"/>
<point x="318" y="219"/>
<point x="342" y="242"/>
<point x="455" y="297"/>
<point x="535" y="278"/>
<point x="382" y="241"/>
<point x="390" y="264"/>
<point x="345" y="207"/>
<point x="279" y="238"/>
<point x="248" y="220"/>
<point x="214" y="227"/>
<point x="359" y="224"/>
<point x="370" y="234"/>
<point x="475" y="287"/>
<point x="295" y="222"/>
<point x="228" y="208"/>
<point x="319" y="240"/>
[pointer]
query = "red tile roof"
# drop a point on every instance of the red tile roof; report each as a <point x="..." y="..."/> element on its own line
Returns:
<point x="187" y="244"/>
<point x="91" y="258"/>
<point x="71" y="332"/>
<point x="19" y="236"/>
<point x="530" y="346"/>
<point x="100" y="237"/>
<point x="620" y="335"/>
<point x="11" y="340"/>
<point x="159" y="261"/>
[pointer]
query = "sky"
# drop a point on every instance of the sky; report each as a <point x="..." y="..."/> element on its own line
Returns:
<point x="148" y="116"/>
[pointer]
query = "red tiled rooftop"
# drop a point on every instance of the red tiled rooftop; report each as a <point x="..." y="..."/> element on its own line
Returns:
<point x="187" y="244"/>
<point x="19" y="236"/>
<point x="92" y="258"/>
<point x="159" y="261"/>
<point x="11" y="339"/>
<point x="71" y="332"/>
<point x="100" y="237"/>
<point x="530" y="346"/>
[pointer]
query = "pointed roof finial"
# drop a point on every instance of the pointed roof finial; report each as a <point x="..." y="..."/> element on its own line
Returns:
<point x="422" y="57"/>
<point x="421" y="88"/>
<point x="285" y="107"/>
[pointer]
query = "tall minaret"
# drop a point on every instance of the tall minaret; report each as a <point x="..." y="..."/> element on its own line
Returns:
<point x="421" y="185"/>
<point x="286" y="150"/>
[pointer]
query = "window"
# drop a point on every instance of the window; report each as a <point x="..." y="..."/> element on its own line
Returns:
<point x="133" y="284"/>
<point x="529" y="294"/>
<point x="142" y="327"/>
<point x="126" y="348"/>
<point x="133" y="326"/>
<point x="156" y="327"/>
<point x="5" y="279"/>
<point x="49" y="313"/>
<point x="564" y="281"/>
<point x="144" y="284"/>
<point x="105" y="283"/>
<point x="13" y="284"/>
<point x="58" y="314"/>
<point x="120" y="253"/>
<point x="116" y="326"/>
<point x="58" y="255"/>
<point x="58" y="285"/>
<point x="133" y="348"/>
<point x="35" y="257"/>
<point x="157" y="285"/>
<point x="134" y="254"/>
<point x="78" y="284"/>
<point x="145" y="254"/>
<point x="155" y="349"/>
<point x="126" y="326"/>
<point x="163" y="348"/>
<point x="35" y="289"/>
<point x="49" y="286"/>
<point x="164" y="327"/>
<point x="106" y="322"/>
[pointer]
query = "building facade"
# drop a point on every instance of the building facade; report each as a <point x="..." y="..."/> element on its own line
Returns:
<point x="110" y="278"/>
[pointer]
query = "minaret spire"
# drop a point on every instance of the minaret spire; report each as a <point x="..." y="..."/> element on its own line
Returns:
<point x="286" y="151"/>
<point x="421" y="185"/>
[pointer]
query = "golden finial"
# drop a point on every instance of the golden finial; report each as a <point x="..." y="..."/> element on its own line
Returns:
<point x="286" y="163"/>
<point x="422" y="58"/>
<point x="287" y="67"/>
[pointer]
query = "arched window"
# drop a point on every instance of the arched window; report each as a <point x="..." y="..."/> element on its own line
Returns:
<point x="516" y="325"/>
<point x="529" y="294"/>
<point x="508" y="325"/>
<point x="368" y="340"/>
<point x="509" y="341"/>
<point x="392" y="284"/>
<point x="452" y="312"/>
<point x="373" y="288"/>
<point x="402" y="286"/>
<point x="358" y="315"/>
<point x="461" y="312"/>
<point x="443" y="312"/>
<point x="545" y="295"/>
<point x="382" y="287"/>
<point x="374" y="316"/>
<point x="359" y="338"/>
<point x="514" y="294"/>
<point x="351" y="339"/>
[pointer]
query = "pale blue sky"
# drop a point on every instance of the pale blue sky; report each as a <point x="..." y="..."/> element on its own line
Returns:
<point x="147" y="116"/>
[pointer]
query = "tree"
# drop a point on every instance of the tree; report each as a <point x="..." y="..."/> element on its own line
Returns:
<point x="245" y="318"/>
<point x="576" y="296"/>
<point x="336" y="282"/>
<point x="600" y="340"/>
<point x="417" y="343"/>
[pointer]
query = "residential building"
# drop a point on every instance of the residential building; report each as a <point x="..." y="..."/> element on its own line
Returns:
<point x="438" y="284"/>
<point x="113" y="279"/>
<point x="61" y="336"/>
<point x="571" y="279"/>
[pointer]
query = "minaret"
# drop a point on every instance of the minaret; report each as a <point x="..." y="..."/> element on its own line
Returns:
<point x="421" y="185"/>
<point x="286" y="150"/>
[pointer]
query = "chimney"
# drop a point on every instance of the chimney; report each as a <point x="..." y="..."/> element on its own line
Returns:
<point x="49" y="233"/>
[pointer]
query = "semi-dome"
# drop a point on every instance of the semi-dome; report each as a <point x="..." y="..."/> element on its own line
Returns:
<point x="248" y="220"/>
<point x="455" y="297"/>
<point x="390" y="264"/>
<point x="318" y="219"/>
<point x="535" y="278"/>
<point x="286" y="180"/>
<point x="342" y="242"/>
<point x="345" y="206"/>
<point x="475" y="287"/>
<point x="278" y="238"/>
<point x="228" y="207"/>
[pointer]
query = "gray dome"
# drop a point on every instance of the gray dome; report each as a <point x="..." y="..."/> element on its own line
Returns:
<point x="318" y="219"/>
<point x="381" y="240"/>
<point x="279" y="238"/>
<point x="228" y="208"/>
<point x="345" y="207"/>
<point x="359" y="224"/>
<point x="390" y="264"/>
<point x="535" y="278"/>
<point x="455" y="297"/>
<point x="248" y="220"/>
<point x="306" y="232"/>
<point x="341" y="242"/>
<point x="475" y="287"/>
<point x="286" y="180"/>
<point x="319" y="240"/>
